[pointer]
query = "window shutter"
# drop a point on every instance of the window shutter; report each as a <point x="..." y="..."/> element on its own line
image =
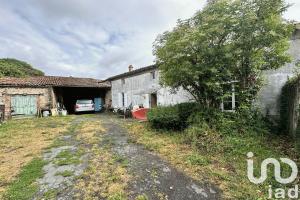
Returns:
<point x="120" y="100"/>
<point x="125" y="100"/>
<point x="147" y="101"/>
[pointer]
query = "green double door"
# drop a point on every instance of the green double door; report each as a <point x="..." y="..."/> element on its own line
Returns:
<point x="24" y="104"/>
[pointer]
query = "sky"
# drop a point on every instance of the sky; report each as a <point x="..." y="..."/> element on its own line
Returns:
<point x="91" y="38"/>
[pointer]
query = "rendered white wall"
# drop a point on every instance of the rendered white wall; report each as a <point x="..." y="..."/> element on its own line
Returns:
<point x="138" y="89"/>
<point x="268" y="98"/>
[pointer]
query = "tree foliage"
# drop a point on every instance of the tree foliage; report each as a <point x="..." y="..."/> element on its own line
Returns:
<point x="227" y="40"/>
<point x="16" y="68"/>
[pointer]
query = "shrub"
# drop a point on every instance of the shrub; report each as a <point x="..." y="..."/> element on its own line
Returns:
<point x="185" y="110"/>
<point x="242" y="121"/>
<point x="172" y="117"/>
<point x="165" y="118"/>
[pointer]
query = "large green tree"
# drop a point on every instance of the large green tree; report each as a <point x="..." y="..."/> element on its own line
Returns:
<point x="229" y="40"/>
<point x="15" y="68"/>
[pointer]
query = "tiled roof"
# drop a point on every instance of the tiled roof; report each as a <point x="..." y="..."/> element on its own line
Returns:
<point x="55" y="81"/>
<point x="133" y="72"/>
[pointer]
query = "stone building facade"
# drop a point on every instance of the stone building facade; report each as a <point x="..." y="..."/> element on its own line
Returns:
<point x="141" y="87"/>
<point x="42" y="95"/>
<point x="28" y="96"/>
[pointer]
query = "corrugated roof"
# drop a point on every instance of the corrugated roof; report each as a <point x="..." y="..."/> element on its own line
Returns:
<point x="133" y="72"/>
<point x="55" y="81"/>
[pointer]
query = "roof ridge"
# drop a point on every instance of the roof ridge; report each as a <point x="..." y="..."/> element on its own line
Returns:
<point x="133" y="72"/>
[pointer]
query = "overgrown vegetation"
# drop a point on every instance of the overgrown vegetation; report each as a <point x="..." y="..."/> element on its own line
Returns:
<point x="213" y="146"/>
<point x="15" y="68"/>
<point x="289" y="104"/>
<point x="171" y="117"/>
<point x="229" y="40"/>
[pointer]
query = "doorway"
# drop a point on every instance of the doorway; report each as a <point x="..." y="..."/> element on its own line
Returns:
<point x="153" y="100"/>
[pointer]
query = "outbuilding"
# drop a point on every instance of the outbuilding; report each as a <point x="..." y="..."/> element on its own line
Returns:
<point x="28" y="96"/>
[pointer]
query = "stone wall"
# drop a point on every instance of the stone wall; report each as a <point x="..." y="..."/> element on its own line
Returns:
<point x="43" y="97"/>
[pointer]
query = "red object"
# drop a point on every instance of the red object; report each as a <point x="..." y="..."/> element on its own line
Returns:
<point x="140" y="114"/>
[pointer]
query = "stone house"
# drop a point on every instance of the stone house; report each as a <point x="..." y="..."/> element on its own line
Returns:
<point x="141" y="87"/>
<point x="28" y="96"/>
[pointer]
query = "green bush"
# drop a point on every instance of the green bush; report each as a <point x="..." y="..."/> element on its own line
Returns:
<point x="185" y="110"/>
<point x="242" y="121"/>
<point x="165" y="118"/>
<point x="179" y="117"/>
<point x="172" y="117"/>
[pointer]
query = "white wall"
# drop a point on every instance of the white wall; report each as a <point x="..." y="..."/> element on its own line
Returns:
<point x="138" y="88"/>
<point x="268" y="98"/>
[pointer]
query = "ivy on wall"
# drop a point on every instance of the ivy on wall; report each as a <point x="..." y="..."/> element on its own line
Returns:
<point x="289" y="106"/>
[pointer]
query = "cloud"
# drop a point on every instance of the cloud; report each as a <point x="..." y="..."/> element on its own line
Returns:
<point x="293" y="11"/>
<point x="90" y="38"/>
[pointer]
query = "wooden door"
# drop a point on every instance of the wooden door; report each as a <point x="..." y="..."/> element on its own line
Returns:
<point x="24" y="104"/>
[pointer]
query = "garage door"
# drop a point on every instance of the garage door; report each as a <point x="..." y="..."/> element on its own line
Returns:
<point x="24" y="105"/>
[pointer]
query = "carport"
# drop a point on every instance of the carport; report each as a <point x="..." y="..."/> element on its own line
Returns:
<point x="21" y="97"/>
<point x="71" y="89"/>
<point x="67" y="96"/>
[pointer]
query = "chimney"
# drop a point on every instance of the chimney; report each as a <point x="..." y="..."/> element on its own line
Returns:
<point x="130" y="68"/>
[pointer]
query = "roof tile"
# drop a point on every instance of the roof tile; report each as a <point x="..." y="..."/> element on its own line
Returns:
<point x="55" y="81"/>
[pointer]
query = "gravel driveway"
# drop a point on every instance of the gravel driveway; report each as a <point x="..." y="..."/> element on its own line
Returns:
<point x="151" y="176"/>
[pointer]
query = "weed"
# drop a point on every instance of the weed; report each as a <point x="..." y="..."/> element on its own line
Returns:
<point x="141" y="197"/>
<point x="196" y="159"/>
<point x="67" y="157"/>
<point x="120" y="159"/>
<point x="118" y="196"/>
<point x="58" y="142"/>
<point x="66" y="173"/>
<point x="50" y="194"/>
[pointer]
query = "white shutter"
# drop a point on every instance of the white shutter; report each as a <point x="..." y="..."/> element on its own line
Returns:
<point x="120" y="100"/>
<point x="125" y="100"/>
<point x="147" y="101"/>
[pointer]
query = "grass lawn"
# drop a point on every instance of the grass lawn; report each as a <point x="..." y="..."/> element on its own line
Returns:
<point x="219" y="159"/>
<point x="21" y="144"/>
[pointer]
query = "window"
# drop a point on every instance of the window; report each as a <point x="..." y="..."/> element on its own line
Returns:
<point x="229" y="102"/>
<point x="123" y="81"/>
<point x="152" y="74"/>
<point x="84" y="101"/>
